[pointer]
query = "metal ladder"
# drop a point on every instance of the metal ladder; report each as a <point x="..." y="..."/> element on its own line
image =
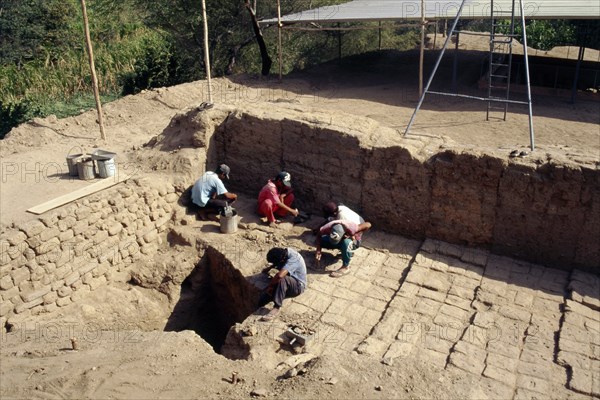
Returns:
<point x="500" y="60"/>
<point x="500" y="63"/>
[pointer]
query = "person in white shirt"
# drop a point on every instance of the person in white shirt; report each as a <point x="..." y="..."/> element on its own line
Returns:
<point x="334" y="211"/>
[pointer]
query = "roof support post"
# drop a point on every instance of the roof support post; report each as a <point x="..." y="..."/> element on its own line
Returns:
<point x="339" y="35"/>
<point x="279" y="46"/>
<point x="379" y="48"/>
<point x="422" y="47"/>
<point x="577" y="69"/>
<point x="455" y="64"/>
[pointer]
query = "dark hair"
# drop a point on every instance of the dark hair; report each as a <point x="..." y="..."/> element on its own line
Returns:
<point x="330" y="209"/>
<point x="277" y="256"/>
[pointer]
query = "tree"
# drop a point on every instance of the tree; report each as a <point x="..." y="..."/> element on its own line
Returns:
<point x="36" y="29"/>
<point x="264" y="54"/>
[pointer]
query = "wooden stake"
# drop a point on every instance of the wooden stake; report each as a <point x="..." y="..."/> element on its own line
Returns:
<point x="88" y="40"/>
<point x="206" y="53"/>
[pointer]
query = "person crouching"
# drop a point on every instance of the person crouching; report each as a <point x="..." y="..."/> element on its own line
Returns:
<point x="289" y="281"/>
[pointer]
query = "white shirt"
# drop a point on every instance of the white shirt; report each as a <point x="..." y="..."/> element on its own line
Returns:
<point x="346" y="214"/>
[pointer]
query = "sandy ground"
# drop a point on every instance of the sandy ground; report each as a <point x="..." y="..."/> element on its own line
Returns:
<point x="145" y="362"/>
<point x="380" y="86"/>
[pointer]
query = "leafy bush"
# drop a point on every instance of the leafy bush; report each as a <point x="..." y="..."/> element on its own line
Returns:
<point x="15" y="113"/>
<point x="156" y="67"/>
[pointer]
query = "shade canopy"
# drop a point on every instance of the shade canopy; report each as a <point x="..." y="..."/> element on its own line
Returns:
<point x="394" y="10"/>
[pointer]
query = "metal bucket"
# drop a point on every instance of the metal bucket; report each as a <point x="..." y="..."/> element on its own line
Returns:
<point x="85" y="169"/>
<point x="229" y="222"/>
<point x="106" y="167"/>
<point x="72" y="164"/>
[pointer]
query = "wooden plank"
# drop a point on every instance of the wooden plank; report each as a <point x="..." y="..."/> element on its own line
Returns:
<point x="77" y="194"/>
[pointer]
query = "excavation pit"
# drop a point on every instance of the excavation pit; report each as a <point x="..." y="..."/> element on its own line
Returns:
<point x="482" y="261"/>
<point x="211" y="300"/>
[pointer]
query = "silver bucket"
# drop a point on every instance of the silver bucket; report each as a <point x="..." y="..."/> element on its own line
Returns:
<point x="85" y="169"/>
<point x="229" y="222"/>
<point x="106" y="167"/>
<point x="72" y="164"/>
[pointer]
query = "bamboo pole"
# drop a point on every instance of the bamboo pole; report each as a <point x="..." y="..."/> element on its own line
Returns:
<point x="88" y="40"/>
<point x="279" y="45"/>
<point x="422" y="47"/>
<point x="206" y="53"/>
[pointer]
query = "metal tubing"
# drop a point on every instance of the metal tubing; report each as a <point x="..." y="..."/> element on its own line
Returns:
<point x="491" y="58"/>
<point x="512" y="32"/>
<point x="422" y="47"/>
<point x="466" y="96"/>
<point x="531" y="134"/>
<point x="437" y="64"/>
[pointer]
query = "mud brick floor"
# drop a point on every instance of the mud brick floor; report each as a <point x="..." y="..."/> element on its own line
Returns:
<point x="525" y="331"/>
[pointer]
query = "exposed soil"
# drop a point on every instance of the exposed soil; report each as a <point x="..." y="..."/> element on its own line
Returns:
<point x="138" y="359"/>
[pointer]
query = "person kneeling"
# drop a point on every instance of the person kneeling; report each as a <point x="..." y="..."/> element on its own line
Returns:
<point x="290" y="280"/>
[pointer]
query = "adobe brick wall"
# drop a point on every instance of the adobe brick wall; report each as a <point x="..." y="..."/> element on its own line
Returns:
<point x="546" y="212"/>
<point x="50" y="262"/>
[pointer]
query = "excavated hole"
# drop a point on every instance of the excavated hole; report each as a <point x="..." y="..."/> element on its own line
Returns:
<point x="213" y="298"/>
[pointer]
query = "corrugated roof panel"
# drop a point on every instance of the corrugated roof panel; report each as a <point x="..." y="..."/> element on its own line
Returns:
<point x="381" y="10"/>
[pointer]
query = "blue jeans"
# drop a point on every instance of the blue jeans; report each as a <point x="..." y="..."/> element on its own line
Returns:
<point x="345" y="246"/>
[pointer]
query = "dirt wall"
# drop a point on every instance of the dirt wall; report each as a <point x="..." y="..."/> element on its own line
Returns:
<point x="50" y="262"/>
<point x="533" y="208"/>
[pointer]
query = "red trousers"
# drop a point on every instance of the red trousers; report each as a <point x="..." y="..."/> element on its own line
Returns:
<point x="270" y="210"/>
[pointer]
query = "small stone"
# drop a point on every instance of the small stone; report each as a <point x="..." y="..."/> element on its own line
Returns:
<point x="290" y="373"/>
<point x="378" y="388"/>
<point x="250" y="331"/>
<point x="332" y="381"/>
<point x="388" y="360"/>
<point x="260" y="392"/>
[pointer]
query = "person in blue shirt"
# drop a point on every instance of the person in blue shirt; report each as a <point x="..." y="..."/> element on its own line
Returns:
<point x="289" y="282"/>
<point x="209" y="192"/>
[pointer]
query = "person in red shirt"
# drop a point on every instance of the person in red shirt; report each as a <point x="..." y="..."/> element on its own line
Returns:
<point x="276" y="198"/>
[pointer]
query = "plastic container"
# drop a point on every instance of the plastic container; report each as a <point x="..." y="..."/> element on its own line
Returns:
<point x="106" y="167"/>
<point x="72" y="164"/>
<point x="85" y="169"/>
<point x="229" y="220"/>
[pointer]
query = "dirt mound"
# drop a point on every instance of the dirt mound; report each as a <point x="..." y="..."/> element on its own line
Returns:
<point x="185" y="130"/>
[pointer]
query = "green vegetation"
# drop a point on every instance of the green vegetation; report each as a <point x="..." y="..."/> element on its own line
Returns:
<point x="547" y="34"/>
<point x="141" y="44"/>
<point x="44" y="67"/>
